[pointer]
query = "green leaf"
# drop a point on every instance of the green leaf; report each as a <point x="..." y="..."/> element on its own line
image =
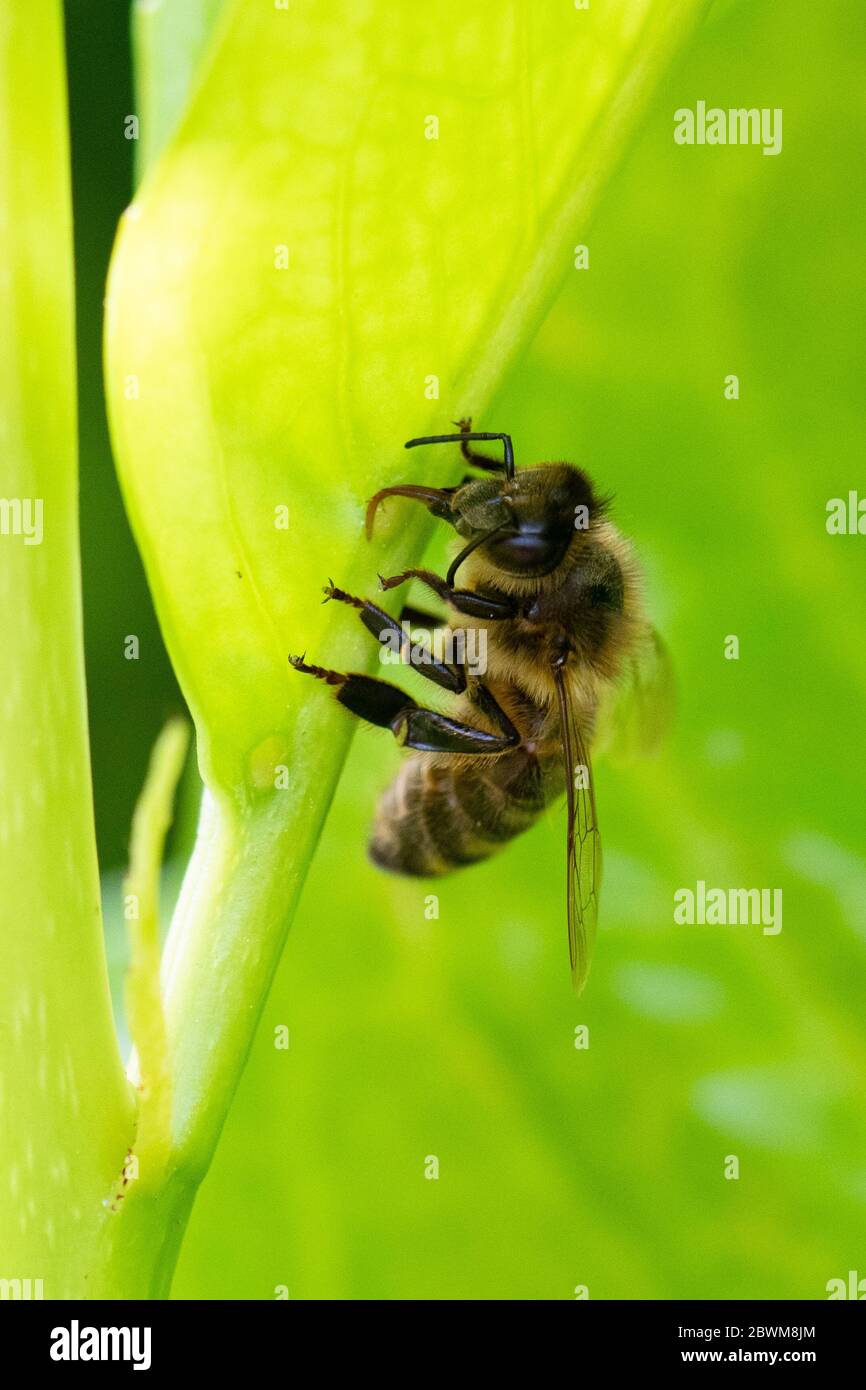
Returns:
<point x="360" y="222"/>
<point x="66" y="1110"/>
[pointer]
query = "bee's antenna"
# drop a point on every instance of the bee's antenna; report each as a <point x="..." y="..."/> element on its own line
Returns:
<point x="468" y="549"/>
<point x="464" y="437"/>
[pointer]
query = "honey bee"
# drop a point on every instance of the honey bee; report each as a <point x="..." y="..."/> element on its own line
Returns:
<point x="557" y="590"/>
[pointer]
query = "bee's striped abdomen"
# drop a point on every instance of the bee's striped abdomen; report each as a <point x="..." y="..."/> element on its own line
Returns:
<point x="435" y="817"/>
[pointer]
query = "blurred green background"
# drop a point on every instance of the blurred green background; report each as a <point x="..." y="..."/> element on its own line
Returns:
<point x="454" y="1037"/>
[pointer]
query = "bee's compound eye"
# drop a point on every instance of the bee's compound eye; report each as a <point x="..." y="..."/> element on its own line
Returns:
<point x="533" y="550"/>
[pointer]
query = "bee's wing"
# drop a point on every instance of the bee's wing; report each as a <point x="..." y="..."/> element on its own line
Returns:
<point x="583" y="866"/>
<point x="635" y="715"/>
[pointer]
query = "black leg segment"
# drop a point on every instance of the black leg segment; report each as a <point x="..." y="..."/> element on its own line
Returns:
<point x="377" y="621"/>
<point x="431" y="732"/>
<point x="377" y="702"/>
<point x="463" y="439"/>
<point x="464" y="600"/>
<point x="485" y="701"/>
<point x="418" y="617"/>
<point x="387" y="706"/>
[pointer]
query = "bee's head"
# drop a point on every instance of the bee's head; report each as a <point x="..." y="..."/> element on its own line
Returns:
<point x="530" y="520"/>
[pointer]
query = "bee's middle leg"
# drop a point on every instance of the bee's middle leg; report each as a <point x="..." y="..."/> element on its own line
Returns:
<point x="420" y="658"/>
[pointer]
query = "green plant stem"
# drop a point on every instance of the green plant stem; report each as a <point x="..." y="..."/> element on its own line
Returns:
<point x="144" y="1007"/>
<point x="227" y="934"/>
<point x="66" y="1110"/>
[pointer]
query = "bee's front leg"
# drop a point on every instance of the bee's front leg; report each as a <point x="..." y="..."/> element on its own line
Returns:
<point x="463" y="600"/>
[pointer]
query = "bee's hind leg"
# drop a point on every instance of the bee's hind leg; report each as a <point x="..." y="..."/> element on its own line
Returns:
<point x="375" y="701"/>
<point x="389" y="707"/>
